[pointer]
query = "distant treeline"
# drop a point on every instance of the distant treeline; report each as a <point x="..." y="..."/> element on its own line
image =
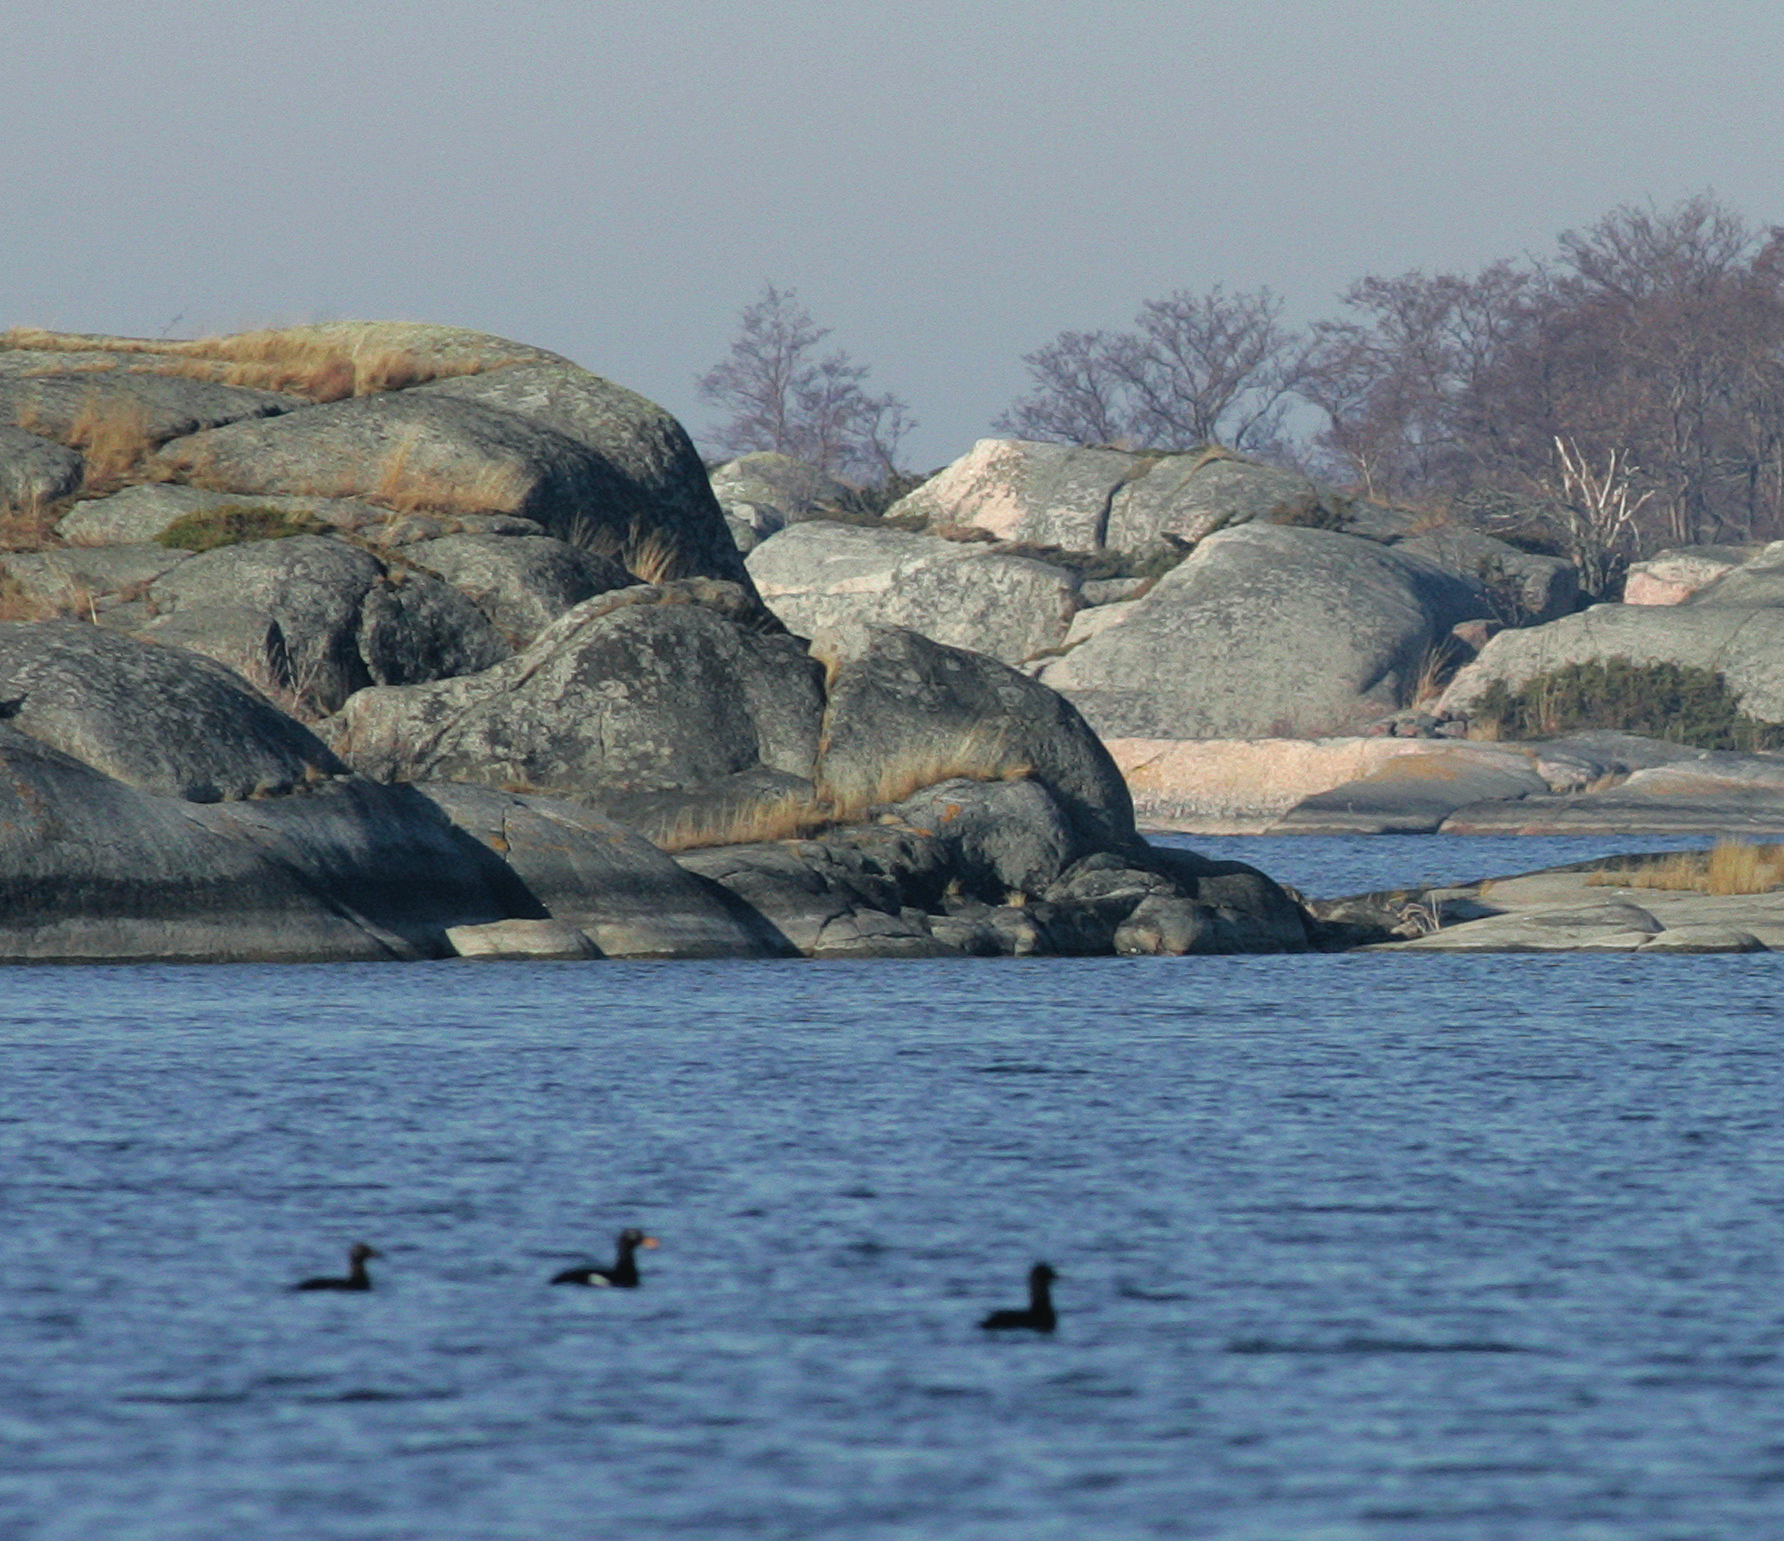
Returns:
<point x="1623" y="393"/>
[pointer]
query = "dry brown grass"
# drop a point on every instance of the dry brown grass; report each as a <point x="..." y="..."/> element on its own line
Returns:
<point x="112" y="432"/>
<point x="1728" y="867"/>
<point x="29" y="523"/>
<point x="1437" y="667"/>
<point x="979" y="754"/>
<point x="788" y="817"/>
<point x="407" y="486"/>
<point x="15" y="603"/>
<point x="110" y="429"/>
<point x="653" y="558"/>
<point x="74" y="602"/>
<point x="290" y="359"/>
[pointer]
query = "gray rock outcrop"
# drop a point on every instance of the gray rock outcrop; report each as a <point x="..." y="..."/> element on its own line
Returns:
<point x="1267" y="630"/>
<point x="639" y="691"/>
<point x="346" y="618"/>
<point x="440" y="538"/>
<point x="34" y="470"/>
<point x="967" y="594"/>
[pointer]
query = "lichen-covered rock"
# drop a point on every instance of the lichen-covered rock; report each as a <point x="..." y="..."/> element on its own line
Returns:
<point x="34" y="470"/>
<point x="647" y="494"/>
<point x="143" y="513"/>
<point x="155" y="718"/>
<point x="1744" y="643"/>
<point x="348" y="619"/>
<point x="1673" y="575"/>
<point x="905" y="712"/>
<point x="1267" y="630"/>
<point x="521" y="582"/>
<point x="964" y="593"/>
<point x="140" y="401"/>
<point x="617" y="889"/>
<point x="94" y="870"/>
<point x="87" y="582"/>
<point x="1042" y="494"/>
<point x="636" y="691"/>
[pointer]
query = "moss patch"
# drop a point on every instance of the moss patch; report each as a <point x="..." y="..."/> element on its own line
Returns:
<point x="229" y="524"/>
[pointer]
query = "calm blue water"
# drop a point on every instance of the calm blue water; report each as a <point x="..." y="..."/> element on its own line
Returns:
<point x="1434" y="1247"/>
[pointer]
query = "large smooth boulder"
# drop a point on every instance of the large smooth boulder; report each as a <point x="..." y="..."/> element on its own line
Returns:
<point x="964" y="593"/>
<point x="1187" y="497"/>
<point x="1267" y="630"/>
<point x="1040" y="494"/>
<point x="152" y="806"/>
<point x="616" y="888"/>
<point x="156" y="718"/>
<point x="905" y="712"/>
<point x="646" y="498"/>
<point x="648" y="689"/>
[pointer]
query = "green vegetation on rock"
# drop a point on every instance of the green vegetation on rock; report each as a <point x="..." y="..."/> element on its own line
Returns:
<point x="229" y="524"/>
<point x="1678" y="703"/>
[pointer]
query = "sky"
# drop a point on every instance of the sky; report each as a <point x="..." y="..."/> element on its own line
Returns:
<point x="946" y="186"/>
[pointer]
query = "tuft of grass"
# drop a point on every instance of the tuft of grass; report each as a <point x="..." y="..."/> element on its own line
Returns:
<point x="112" y="432"/>
<point x="15" y="603"/>
<point x="229" y="524"/>
<point x="787" y="817"/>
<point x="653" y="558"/>
<point x="29" y="523"/>
<point x="406" y="486"/>
<point x="1679" y="703"/>
<point x="1728" y="867"/>
<point x="1437" y="667"/>
<point x="979" y="753"/>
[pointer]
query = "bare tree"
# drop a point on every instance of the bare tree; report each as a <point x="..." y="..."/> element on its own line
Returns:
<point x="784" y="395"/>
<point x="1652" y="336"/>
<point x="1399" y="381"/>
<point x="1195" y="369"/>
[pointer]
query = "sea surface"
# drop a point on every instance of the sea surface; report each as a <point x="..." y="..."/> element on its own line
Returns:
<point x="1440" y="1247"/>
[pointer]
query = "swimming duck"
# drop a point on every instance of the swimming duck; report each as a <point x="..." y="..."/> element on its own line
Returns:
<point x="357" y="1278"/>
<point x="1039" y="1315"/>
<point x="622" y="1273"/>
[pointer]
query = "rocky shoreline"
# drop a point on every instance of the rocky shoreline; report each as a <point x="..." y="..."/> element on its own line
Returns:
<point x="384" y="642"/>
<point x="393" y="641"/>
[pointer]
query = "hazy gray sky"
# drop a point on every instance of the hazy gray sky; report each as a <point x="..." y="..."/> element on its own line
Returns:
<point x="946" y="185"/>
